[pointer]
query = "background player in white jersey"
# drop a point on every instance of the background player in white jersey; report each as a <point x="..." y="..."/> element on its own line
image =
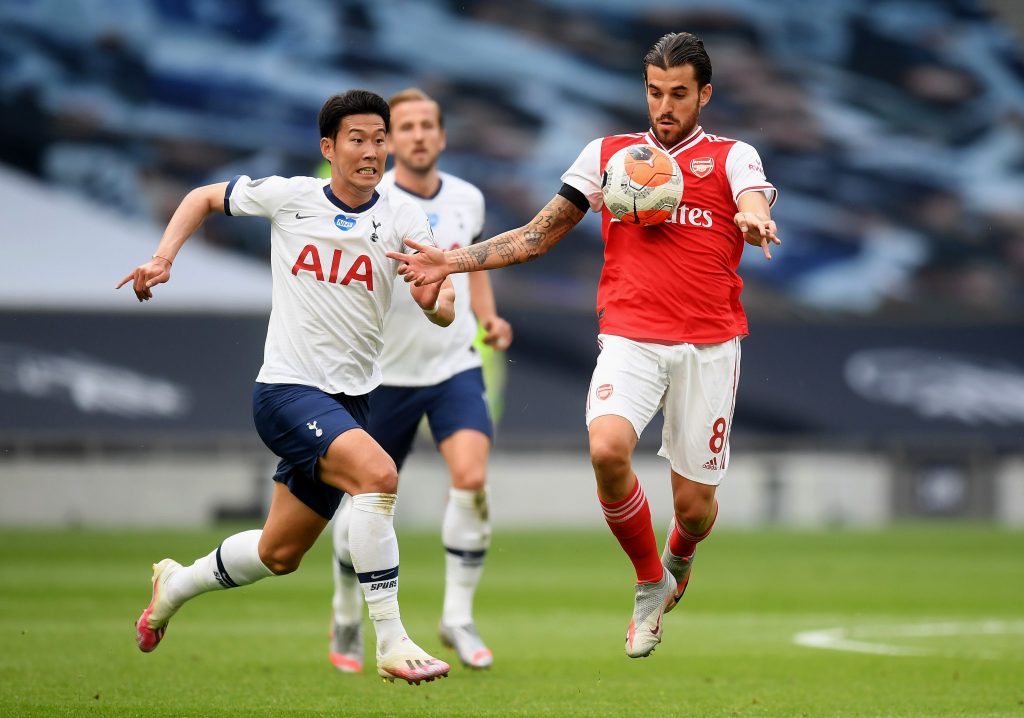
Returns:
<point x="670" y="319"/>
<point x="437" y="373"/>
<point x="332" y="286"/>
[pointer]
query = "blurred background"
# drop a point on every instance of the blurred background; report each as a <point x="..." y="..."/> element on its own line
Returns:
<point x="884" y="375"/>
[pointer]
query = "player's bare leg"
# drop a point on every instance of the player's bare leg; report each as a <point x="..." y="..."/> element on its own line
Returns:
<point x="290" y="530"/>
<point x="612" y="441"/>
<point x="466" y="535"/>
<point x="696" y="509"/>
<point x="356" y="464"/>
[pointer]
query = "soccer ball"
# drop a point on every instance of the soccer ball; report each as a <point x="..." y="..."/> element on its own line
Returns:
<point x="642" y="185"/>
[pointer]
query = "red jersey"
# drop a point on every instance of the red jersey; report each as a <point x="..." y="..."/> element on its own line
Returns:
<point x="676" y="281"/>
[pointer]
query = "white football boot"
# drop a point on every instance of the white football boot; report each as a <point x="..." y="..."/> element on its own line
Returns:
<point x="346" y="652"/>
<point x="152" y="624"/>
<point x="651" y="602"/>
<point x="467" y="644"/>
<point x="407" y="661"/>
<point x="680" y="569"/>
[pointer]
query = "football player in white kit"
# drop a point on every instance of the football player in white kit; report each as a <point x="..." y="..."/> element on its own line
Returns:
<point x="332" y="286"/>
<point x="434" y="373"/>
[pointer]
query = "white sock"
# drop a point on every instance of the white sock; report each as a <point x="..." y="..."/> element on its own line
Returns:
<point x="374" y="549"/>
<point x="236" y="562"/>
<point x="348" y="596"/>
<point x="466" y="534"/>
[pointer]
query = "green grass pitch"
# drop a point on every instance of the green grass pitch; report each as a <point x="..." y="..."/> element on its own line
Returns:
<point x="554" y="608"/>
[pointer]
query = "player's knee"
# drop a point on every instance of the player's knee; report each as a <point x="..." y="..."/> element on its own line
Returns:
<point x="281" y="560"/>
<point x="380" y="477"/>
<point x="609" y="458"/>
<point x="469" y="480"/>
<point x="695" y="517"/>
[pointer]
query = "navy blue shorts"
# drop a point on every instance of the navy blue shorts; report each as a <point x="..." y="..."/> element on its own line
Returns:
<point x="458" y="403"/>
<point x="298" y="423"/>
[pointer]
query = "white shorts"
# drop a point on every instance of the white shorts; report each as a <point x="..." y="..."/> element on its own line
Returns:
<point x="696" y="385"/>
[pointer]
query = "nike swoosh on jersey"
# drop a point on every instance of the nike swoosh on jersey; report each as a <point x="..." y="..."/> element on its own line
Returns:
<point x="303" y="216"/>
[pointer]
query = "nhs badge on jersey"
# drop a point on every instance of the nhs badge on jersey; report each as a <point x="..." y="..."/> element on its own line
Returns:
<point x="433" y="219"/>
<point x="344" y="223"/>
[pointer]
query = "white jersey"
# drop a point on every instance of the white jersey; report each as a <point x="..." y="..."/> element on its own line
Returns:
<point x="332" y="283"/>
<point x="419" y="353"/>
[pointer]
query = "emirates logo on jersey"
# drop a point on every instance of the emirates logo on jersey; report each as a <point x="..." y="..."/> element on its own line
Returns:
<point x="693" y="216"/>
<point x="702" y="166"/>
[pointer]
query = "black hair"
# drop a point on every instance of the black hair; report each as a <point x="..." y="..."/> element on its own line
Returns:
<point x="353" y="102"/>
<point x="680" y="48"/>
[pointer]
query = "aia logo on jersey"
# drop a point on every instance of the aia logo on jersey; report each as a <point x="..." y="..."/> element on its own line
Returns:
<point x="344" y="223"/>
<point x="702" y="166"/>
<point x="604" y="391"/>
<point x="361" y="269"/>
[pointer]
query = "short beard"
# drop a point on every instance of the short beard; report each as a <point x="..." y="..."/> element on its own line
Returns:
<point x="684" y="131"/>
<point x="422" y="171"/>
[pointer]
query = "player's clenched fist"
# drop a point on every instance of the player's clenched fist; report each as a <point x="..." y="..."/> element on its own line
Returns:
<point x="497" y="333"/>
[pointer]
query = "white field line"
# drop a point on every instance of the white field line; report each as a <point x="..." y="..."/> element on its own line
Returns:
<point x="868" y="639"/>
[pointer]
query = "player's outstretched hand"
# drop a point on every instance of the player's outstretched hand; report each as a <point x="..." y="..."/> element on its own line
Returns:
<point x="426" y="266"/>
<point x="146" y="276"/>
<point x="498" y="333"/>
<point x="758" y="231"/>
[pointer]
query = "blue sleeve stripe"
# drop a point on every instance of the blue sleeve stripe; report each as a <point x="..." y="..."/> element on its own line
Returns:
<point x="227" y="195"/>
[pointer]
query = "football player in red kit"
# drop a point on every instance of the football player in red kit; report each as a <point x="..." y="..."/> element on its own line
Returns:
<point x="670" y="318"/>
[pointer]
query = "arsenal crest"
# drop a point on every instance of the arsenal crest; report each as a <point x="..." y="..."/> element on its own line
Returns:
<point x="702" y="166"/>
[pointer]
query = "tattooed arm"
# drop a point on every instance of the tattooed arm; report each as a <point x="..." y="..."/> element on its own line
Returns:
<point x="524" y="244"/>
<point x="519" y="245"/>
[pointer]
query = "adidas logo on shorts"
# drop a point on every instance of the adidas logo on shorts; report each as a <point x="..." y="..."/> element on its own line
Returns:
<point x="712" y="465"/>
